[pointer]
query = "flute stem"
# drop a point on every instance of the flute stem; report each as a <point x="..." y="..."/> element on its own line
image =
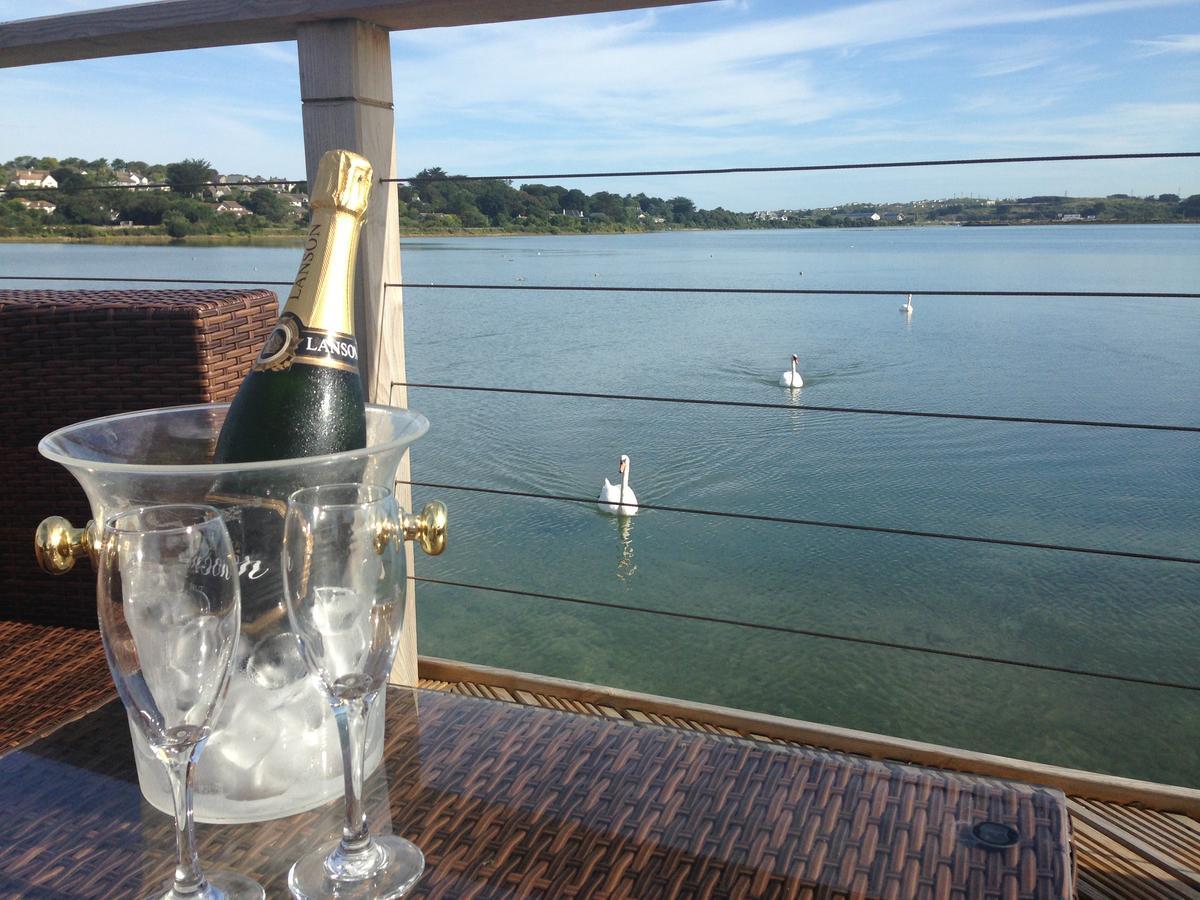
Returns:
<point x="351" y="718"/>
<point x="181" y="763"/>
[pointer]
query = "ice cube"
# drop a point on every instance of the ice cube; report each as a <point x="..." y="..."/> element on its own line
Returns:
<point x="341" y="632"/>
<point x="275" y="665"/>
<point x="246" y="728"/>
<point x="335" y="609"/>
<point x="307" y="747"/>
<point x="193" y="654"/>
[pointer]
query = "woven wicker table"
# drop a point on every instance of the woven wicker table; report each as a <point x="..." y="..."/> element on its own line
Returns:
<point x="515" y="801"/>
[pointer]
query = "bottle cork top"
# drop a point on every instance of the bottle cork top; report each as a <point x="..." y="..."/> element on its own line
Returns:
<point x="343" y="182"/>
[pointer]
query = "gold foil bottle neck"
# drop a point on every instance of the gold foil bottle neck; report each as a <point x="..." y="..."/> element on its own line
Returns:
<point x="343" y="183"/>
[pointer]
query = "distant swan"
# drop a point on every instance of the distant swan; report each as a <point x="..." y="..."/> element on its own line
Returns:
<point x="907" y="308"/>
<point x="618" y="499"/>
<point x="792" y="379"/>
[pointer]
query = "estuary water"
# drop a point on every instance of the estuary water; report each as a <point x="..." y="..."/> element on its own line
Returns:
<point x="1124" y="360"/>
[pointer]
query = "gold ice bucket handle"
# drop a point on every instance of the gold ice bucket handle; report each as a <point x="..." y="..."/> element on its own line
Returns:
<point x="58" y="543"/>
<point x="427" y="528"/>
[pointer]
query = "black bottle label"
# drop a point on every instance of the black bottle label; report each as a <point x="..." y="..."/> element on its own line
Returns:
<point x="290" y="343"/>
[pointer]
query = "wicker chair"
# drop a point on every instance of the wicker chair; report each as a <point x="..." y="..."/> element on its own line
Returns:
<point x="75" y="355"/>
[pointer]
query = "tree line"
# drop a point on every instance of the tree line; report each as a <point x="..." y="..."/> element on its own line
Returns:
<point x="86" y="205"/>
<point x="434" y="200"/>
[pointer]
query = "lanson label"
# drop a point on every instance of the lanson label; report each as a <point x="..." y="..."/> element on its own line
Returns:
<point x="290" y="342"/>
<point x="322" y="348"/>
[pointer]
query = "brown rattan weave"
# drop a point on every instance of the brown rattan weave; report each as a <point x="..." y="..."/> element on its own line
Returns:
<point x="48" y="675"/>
<point x="75" y="355"/>
<point x="514" y="801"/>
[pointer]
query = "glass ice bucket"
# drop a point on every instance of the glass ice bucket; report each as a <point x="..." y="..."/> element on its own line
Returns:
<point x="275" y="750"/>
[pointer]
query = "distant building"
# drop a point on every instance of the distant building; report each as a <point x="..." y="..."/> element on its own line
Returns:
<point x="123" y="178"/>
<point x="233" y="208"/>
<point x="893" y="217"/>
<point x="42" y="206"/>
<point x="573" y="213"/>
<point x="862" y="216"/>
<point x="1070" y="217"/>
<point x="39" y="178"/>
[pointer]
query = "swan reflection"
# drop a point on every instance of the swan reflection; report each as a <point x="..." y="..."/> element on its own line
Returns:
<point x="626" y="566"/>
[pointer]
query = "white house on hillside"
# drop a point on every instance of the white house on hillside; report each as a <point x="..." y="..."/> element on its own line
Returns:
<point x="42" y="206"/>
<point x="33" y="178"/>
<point x="233" y="208"/>
<point x="122" y="178"/>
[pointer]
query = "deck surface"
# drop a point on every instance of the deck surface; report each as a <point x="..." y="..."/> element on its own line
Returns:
<point x="57" y="675"/>
<point x="1120" y="851"/>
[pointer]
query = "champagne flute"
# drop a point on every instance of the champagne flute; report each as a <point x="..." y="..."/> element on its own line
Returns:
<point x="344" y="574"/>
<point x="170" y="612"/>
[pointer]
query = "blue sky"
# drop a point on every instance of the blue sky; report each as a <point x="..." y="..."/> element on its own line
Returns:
<point x="726" y="83"/>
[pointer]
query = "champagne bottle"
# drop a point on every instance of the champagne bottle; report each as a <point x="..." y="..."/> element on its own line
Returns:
<point x="303" y="395"/>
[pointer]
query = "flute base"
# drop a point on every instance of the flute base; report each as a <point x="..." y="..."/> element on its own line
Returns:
<point x="219" y="884"/>
<point x="391" y="867"/>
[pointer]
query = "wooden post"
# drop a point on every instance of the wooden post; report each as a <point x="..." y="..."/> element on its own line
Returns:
<point x="346" y="91"/>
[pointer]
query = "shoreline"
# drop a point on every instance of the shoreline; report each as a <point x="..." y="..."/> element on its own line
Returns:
<point x="297" y="239"/>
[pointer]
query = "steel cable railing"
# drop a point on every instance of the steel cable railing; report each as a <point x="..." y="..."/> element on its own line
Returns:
<point x="160" y="186"/>
<point x="744" y="404"/>
<point x="819" y="167"/>
<point x="850" y="292"/>
<point x="725" y="170"/>
<point x="808" y="632"/>
<point x="750" y="404"/>
<point x="637" y="289"/>
<point x="819" y="523"/>
<point x="242" y="282"/>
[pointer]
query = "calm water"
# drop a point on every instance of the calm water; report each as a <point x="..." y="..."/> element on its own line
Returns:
<point x="1125" y="360"/>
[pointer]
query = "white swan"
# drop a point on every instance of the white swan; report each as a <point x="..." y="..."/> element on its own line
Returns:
<point x="792" y="379"/>
<point x="618" y="499"/>
<point x="907" y="308"/>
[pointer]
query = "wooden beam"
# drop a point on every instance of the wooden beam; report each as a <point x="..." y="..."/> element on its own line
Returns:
<point x="346" y="92"/>
<point x="346" y="96"/>
<point x="189" y="24"/>
<point x="1077" y="782"/>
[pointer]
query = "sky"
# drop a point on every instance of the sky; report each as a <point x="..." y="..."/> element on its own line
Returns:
<point x="706" y="85"/>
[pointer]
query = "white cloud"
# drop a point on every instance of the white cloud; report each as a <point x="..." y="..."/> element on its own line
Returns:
<point x="578" y="73"/>
<point x="1171" y="43"/>
<point x="1032" y="53"/>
